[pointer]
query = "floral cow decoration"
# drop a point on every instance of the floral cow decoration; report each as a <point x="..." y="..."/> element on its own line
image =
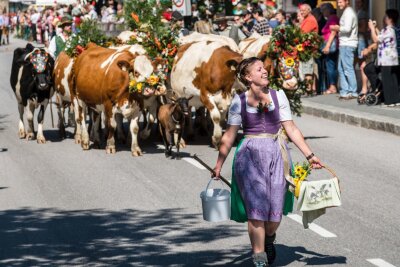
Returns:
<point x="288" y="46"/>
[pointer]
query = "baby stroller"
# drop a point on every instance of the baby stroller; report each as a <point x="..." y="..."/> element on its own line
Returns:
<point x="374" y="95"/>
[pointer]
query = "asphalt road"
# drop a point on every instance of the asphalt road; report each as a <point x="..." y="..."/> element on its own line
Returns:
<point x="61" y="206"/>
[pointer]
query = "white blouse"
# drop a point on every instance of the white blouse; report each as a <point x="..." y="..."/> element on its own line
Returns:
<point x="235" y="118"/>
<point x="387" y="49"/>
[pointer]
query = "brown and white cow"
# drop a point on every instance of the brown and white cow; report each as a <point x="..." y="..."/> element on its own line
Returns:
<point x="257" y="46"/>
<point x="62" y="84"/>
<point x="199" y="37"/>
<point x="206" y="70"/>
<point x="101" y="79"/>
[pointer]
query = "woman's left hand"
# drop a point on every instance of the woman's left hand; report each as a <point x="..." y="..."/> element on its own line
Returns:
<point x="315" y="163"/>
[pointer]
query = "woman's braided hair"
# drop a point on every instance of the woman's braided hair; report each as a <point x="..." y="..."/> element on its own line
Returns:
<point x="242" y="69"/>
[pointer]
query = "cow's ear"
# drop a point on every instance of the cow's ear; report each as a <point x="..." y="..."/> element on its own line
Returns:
<point x="232" y="64"/>
<point x="29" y="47"/>
<point x="124" y="65"/>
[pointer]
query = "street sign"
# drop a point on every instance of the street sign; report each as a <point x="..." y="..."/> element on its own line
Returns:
<point x="182" y="6"/>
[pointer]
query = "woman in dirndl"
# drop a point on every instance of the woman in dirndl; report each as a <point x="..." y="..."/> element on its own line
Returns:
<point x="262" y="163"/>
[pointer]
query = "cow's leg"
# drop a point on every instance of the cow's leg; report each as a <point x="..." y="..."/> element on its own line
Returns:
<point x="119" y="119"/>
<point x="134" y="129"/>
<point x="111" y="124"/>
<point x="61" y="125"/>
<point x="96" y="129"/>
<point x="30" y="111"/>
<point x="21" y="127"/>
<point x="40" y="137"/>
<point x="164" y="137"/>
<point x="84" y="135"/>
<point x="216" y="119"/>
<point x="177" y="144"/>
<point x="78" y="121"/>
<point x="150" y="118"/>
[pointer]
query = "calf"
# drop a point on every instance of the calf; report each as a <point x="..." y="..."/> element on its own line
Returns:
<point x="171" y="118"/>
<point x="31" y="81"/>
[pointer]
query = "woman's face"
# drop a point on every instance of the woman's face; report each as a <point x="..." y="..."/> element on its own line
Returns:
<point x="257" y="74"/>
<point x="387" y="21"/>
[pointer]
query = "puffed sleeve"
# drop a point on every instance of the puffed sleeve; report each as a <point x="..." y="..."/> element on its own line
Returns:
<point x="234" y="116"/>
<point x="285" y="113"/>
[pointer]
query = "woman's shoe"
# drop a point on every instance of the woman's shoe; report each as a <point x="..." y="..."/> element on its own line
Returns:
<point x="260" y="259"/>
<point x="270" y="248"/>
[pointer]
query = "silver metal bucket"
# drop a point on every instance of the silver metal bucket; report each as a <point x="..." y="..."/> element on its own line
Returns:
<point x="216" y="204"/>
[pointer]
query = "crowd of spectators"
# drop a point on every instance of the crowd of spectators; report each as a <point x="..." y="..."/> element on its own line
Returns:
<point x="39" y="24"/>
<point x="347" y="42"/>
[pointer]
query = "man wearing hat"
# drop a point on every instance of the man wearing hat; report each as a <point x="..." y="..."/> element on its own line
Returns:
<point x="57" y="43"/>
<point x="177" y="23"/>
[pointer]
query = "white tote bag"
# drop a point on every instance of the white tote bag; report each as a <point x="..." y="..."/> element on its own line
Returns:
<point x="320" y="194"/>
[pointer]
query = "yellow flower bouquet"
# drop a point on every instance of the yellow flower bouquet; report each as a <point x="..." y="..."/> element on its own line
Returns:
<point x="300" y="173"/>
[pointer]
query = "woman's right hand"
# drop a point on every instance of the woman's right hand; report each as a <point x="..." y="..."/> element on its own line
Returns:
<point x="216" y="173"/>
<point x="371" y="24"/>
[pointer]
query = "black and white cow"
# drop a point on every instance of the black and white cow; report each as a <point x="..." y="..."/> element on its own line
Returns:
<point x="31" y="81"/>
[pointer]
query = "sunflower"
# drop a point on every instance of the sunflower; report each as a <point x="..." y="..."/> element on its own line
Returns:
<point x="153" y="80"/>
<point x="299" y="47"/>
<point x="298" y="171"/>
<point x="139" y="87"/>
<point x="289" y="62"/>
<point x="132" y="84"/>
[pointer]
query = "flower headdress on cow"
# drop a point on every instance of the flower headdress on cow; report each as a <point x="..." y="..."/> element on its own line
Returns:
<point x="137" y="85"/>
<point x="288" y="46"/>
<point x="39" y="59"/>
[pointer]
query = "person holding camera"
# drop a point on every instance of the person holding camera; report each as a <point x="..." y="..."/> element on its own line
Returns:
<point x="388" y="57"/>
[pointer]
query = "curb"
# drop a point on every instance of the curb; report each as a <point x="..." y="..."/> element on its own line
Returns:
<point x="355" y="118"/>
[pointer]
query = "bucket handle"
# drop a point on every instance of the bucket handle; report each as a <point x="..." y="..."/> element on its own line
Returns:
<point x="208" y="185"/>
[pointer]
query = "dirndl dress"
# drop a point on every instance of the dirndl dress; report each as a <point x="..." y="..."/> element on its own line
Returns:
<point x="258" y="165"/>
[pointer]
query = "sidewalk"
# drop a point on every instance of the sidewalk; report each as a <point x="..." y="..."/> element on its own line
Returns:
<point x="349" y="111"/>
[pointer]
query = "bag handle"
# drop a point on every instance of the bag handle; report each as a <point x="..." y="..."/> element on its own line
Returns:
<point x="209" y="182"/>
<point x="331" y="171"/>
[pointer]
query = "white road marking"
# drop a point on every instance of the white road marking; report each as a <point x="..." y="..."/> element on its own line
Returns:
<point x="380" y="263"/>
<point x="190" y="160"/>
<point x="194" y="163"/>
<point x="313" y="227"/>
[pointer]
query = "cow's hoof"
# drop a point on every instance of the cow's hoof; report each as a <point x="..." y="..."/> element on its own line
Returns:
<point x="30" y="136"/>
<point x="137" y="153"/>
<point x="216" y="142"/>
<point x="41" y="140"/>
<point x="85" y="145"/>
<point x="182" y="144"/>
<point x="22" y="134"/>
<point x="110" y="149"/>
<point x="78" y="139"/>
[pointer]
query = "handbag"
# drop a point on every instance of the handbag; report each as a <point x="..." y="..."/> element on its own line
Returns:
<point x="320" y="194"/>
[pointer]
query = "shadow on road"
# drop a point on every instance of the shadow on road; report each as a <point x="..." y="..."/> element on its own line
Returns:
<point x="301" y="254"/>
<point x="2" y="122"/>
<point x="51" y="237"/>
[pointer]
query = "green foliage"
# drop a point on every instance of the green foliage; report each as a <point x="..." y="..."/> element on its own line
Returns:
<point x="142" y="12"/>
<point x="88" y="31"/>
<point x="291" y="41"/>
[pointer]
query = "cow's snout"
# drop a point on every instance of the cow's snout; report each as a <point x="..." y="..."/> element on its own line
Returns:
<point x="290" y="84"/>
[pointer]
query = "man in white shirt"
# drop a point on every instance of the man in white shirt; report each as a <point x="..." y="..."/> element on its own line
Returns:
<point x="35" y="16"/>
<point x="348" y="42"/>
